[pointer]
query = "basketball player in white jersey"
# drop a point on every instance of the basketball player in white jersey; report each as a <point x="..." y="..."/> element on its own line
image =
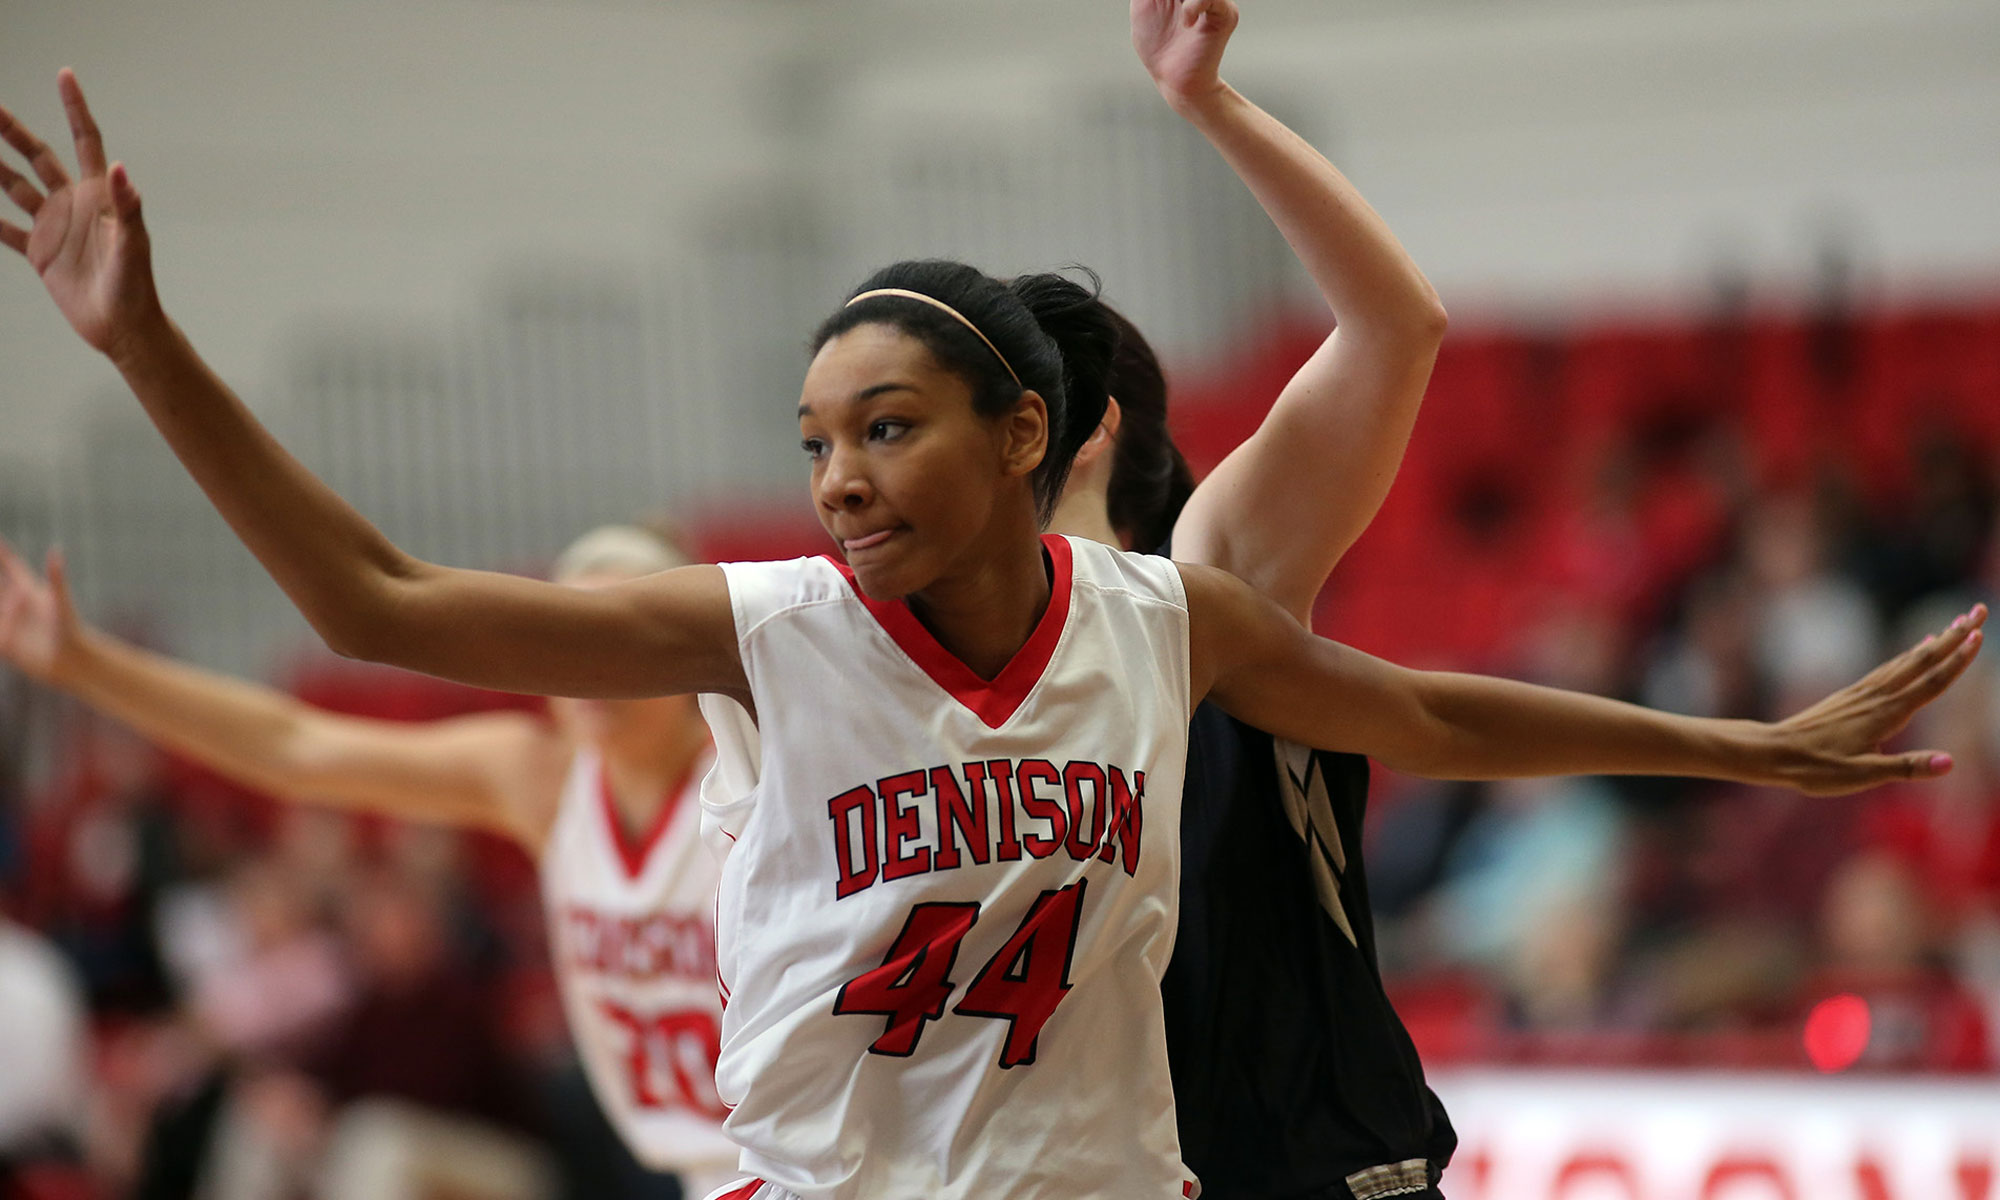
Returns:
<point x="603" y="797"/>
<point x="942" y="985"/>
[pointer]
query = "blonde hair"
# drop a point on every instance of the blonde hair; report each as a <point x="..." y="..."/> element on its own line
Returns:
<point x="617" y="550"/>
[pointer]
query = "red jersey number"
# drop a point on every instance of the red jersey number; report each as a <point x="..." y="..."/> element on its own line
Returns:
<point x="1022" y="984"/>
<point x="913" y="982"/>
<point x="670" y="1058"/>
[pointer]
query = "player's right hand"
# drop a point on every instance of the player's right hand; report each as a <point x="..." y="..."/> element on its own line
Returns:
<point x="86" y="239"/>
<point x="38" y="624"/>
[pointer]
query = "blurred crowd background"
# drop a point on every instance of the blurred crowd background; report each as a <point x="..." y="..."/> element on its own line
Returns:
<point x="1717" y="428"/>
<point x="1731" y="517"/>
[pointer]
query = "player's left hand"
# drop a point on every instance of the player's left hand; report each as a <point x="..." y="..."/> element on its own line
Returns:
<point x="1835" y="746"/>
<point x="1181" y="44"/>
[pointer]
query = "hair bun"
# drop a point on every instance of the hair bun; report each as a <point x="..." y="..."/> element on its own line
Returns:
<point x="1083" y="331"/>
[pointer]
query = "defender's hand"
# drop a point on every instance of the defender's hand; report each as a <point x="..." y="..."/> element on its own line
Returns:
<point x="1181" y="44"/>
<point x="1835" y="746"/>
<point x="87" y="240"/>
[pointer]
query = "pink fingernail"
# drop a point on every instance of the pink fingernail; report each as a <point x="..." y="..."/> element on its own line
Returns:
<point x="1940" y="763"/>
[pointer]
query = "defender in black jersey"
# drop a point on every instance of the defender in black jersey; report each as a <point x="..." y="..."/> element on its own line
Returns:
<point x="1293" y="1076"/>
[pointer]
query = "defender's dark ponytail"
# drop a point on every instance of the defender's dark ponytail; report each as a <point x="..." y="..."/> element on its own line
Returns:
<point x="1150" y="479"/>
<point x="1083" y="332"/>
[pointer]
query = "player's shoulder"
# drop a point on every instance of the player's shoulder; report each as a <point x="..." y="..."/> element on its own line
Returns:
<point x="759" y="591"/>
<point x="1109" y="569"/>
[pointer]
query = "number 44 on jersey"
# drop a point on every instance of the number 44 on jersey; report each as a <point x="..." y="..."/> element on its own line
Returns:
<point x="1021" y="984"/>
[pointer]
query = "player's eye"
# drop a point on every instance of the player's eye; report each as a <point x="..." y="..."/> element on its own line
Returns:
<point x="814" y="447"/>
<point x="887" y="431"/>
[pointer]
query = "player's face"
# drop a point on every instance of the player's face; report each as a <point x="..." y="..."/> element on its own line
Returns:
<point x="906" y="477"/>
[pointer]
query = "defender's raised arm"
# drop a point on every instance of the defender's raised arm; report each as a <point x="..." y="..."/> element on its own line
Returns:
<point x="1283" y="507"/>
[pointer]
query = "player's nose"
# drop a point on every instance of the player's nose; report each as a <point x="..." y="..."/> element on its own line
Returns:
<point x="842" y="482"/>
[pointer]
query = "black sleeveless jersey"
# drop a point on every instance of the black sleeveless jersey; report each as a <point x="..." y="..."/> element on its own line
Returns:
<point x="1291" y="1071"/>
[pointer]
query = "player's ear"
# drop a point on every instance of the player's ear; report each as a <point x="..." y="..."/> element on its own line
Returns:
<point x="1104" y="437"/>
<point x="1024" y="434"/>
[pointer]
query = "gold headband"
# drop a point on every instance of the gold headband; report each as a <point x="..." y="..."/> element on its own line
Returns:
<point x="948" y="310"/>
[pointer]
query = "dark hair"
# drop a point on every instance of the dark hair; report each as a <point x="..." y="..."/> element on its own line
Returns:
<point x="1150" y="480"/>
<point x="1051" y="330"/>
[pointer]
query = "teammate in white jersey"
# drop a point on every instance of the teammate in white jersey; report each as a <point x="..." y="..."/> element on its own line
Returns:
<point x="602" y="796"/>
<point x="940" y="412"/>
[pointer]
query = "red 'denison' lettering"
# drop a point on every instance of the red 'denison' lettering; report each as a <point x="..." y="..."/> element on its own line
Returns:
<point x="853" y="878"/>
<point x="1975" y="1180"/>
<point x="1075" y="776"/>
<point x="1594" y="1166"/>
<point x="1040" y="807"/>
<point x="1001" y="772"/>
<point x="900" y="823"/>
<point x="958" y="818"/>
<point x="1734" y="1170"/>
<point x="1128" y="818"/>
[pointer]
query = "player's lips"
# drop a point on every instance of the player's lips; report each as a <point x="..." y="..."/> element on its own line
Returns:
<point x="864" y="541"/>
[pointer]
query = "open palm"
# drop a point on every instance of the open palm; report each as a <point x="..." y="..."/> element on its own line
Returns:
<point x="37" y="624"/>
<point x="86" y="240"/>
<point x="1181" y="42"/>
<point x="1835" y="746"/>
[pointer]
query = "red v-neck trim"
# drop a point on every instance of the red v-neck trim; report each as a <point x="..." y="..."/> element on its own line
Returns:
<point x="991" y="700"/>
<point x="634" y="857"/>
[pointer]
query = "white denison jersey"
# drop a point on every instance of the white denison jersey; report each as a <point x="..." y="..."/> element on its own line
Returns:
<point x="946" y="903"/>
<point x="632" y="936"/>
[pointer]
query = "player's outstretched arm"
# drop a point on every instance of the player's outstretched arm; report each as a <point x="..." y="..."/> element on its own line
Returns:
<point x="1285" y="505"/>
<point x="1266" y="670"/>
<point x="670" y="632"/>
<point x="495" y="771"/>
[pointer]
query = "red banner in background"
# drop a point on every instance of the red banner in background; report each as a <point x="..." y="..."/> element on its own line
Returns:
<point x="1642" y="1136"/>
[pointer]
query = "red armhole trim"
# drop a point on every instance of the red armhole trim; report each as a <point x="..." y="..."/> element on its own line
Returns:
<point x="715" y="927"/>
<point x="743" y="1193"/>
<point x="992" y="701"/>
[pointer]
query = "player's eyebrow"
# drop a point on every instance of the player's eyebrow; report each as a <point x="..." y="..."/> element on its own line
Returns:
<point x="867" y="393"/>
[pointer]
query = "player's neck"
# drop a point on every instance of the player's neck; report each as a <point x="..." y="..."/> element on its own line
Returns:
<point x="644" y="774"/>
<point x="1085" y="508"/>
<point x="984" y="614"/>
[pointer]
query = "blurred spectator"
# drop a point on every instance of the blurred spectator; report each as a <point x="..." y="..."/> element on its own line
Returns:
<point x="1816" y="629"/>
<point x="1531" y="897"/>
<point x="101" y="845"/>
<point x="432" y="1102"/>
<point x="1707" y="667"/>
<point x="1880" y="945"/>
<point x="276" y="980"/>
<point x="422" y="1028"/>
<point x="43" y="1044"/>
